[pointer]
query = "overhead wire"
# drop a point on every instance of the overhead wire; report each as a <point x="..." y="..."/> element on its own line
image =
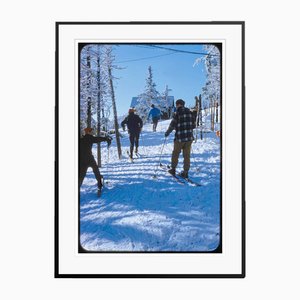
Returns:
<point x="176" y="50"/>
<point x="150" y="46"/>
<point x="143" y="58"/>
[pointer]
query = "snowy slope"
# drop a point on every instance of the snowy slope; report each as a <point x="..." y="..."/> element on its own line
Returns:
<point x="139" y="213"/>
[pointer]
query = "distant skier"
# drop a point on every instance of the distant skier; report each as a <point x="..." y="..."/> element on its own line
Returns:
<point x="183" y="122"/>
<point x="86" y="157"/>
<point x="155" y="114"/>
<point x="134" y="125"/>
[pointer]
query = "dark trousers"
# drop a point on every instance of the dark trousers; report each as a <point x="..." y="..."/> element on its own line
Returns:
<point x="134" y="141"/>
<point x="155" y="121"/>
<point x="84" y="165"/>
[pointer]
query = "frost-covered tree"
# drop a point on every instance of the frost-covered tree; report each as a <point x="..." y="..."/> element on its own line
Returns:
<point x="109" y="59"/>
<point x="95" y="100"/>
<point x="103" y="100"/>
<point x="101" y="92"/>
<point x="95" y="103"/>
<point x="86" y="88"/>
<point x="212" y="89"/>
<point x="212" y="63"/>
<point x="148" y="97"/>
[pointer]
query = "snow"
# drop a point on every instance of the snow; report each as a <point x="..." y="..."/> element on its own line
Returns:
<point x="137" y="212"/>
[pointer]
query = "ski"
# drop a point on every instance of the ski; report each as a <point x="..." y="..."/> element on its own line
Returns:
<point x="178" y="179"/>
<point x="138" y="155"/>
<point x="189" y="180"/>
<point x="177" y="176"/>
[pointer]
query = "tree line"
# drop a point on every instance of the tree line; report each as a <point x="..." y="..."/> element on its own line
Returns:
<point x="97" y="96"/>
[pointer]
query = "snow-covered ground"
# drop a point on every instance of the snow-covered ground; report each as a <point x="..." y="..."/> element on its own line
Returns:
<point x="137" y="212"/>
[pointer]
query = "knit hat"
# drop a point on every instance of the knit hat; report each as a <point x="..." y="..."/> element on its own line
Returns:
<point x="180" y="101"/>
<point x="88" y="130"/>
<point x="131" y="110"/>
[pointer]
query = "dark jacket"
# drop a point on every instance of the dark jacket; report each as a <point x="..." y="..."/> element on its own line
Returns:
<point x="183" y="122"/>
<point x="134" y="123"/>
<point x="86" y="144"/>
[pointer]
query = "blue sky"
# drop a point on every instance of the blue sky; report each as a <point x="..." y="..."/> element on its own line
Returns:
<point x="172" y="68"/>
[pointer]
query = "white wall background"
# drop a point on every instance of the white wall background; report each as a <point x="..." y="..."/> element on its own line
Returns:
<point x="27" y="149"/>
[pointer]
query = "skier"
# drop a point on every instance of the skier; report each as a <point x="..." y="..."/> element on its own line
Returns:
<point x="86" y="157"/>
<point x="134" y="125"/>
<point x="155" y="114"/>
<point x="183" y="123"/>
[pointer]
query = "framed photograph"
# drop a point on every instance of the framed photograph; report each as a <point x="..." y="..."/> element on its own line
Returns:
<point x="150" y="150"/>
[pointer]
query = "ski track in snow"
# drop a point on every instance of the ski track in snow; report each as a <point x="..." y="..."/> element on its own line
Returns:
<point x="137" y="212"/>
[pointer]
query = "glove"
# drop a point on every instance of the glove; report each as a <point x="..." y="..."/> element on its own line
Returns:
<point x="109" y="139"/>
<point x="103" y="134"/>
<point x="123" y="128"/>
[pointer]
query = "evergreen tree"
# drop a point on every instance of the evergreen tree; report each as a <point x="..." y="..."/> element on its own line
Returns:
<point x="212" y="89"/>
<point x="148" y="97"/>
<point x="85" y="88"/>
<point x="95" y="102"/>
<point x="212" y="62"/>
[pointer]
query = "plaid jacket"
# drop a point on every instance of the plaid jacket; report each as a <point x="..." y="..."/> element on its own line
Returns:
<point x="183" y="122"/>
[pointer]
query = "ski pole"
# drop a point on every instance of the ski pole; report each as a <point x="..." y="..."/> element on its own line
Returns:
<point x="141" y="141"/>
<point x="107" y="154"/>
<point x="106" y="166"/>
<point x="159" y="163"/>
<point x="162" y="150"/>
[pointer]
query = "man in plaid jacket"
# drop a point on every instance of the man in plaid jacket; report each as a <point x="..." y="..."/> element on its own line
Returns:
<point x="183" y="123"/>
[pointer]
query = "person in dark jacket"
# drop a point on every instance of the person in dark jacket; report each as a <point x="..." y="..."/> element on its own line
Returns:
<point x="183" y="123"/>
<point x="134" y="125"/>
<point x="86" y="157"/>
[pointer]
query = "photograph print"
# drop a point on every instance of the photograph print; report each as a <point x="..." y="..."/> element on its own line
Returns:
<point x="150" y="148"/>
